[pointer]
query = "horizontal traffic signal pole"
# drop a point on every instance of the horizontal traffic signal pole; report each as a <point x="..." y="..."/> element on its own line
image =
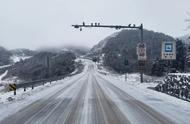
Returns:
<point x="98" y="25"/>
<point x="117" y="27"/>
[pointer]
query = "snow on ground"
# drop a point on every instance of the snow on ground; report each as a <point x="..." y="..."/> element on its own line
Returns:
<point x="10" y="104"/>
<point x="4" y="66"/>
<point x="3" y="75"/>
<point x="2" y="83"/>
<point x="75" y="71"/>
<point x="17" y="58"/>
<point x="132" y="78"/>
<point x="169" y="106"/>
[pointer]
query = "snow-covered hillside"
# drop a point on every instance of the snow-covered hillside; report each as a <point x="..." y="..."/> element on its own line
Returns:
<point x="16" y="58"/>
<point x="102" y="43"/>
<point x="21" y="54"/>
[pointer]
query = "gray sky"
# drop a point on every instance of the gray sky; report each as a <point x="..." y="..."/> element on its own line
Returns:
<point x="37" y="23"/>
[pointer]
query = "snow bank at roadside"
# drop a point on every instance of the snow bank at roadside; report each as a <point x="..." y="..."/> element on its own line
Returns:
<point x="171" y="107"/>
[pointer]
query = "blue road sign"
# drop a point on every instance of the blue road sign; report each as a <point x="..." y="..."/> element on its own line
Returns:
<point x="168" y="50"/>
<point x="168" y="47"/>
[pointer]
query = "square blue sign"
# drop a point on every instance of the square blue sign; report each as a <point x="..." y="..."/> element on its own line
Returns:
<point x="168" y="47"/>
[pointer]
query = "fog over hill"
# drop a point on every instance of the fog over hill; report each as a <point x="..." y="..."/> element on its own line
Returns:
<point x="4" y="56"/>
<point x="77" y="50"/>
<point x="185" y="38"/>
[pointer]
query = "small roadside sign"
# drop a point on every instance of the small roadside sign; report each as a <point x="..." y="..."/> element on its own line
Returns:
<point x="12" y="87"/>
<point x="141" y="51"/>
<point x="168" y="50"/>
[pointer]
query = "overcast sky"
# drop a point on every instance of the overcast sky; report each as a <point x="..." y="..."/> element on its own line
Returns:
<point x="37" y="23"/>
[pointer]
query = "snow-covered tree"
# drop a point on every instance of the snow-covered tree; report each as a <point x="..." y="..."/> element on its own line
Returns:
<point x="157" y="68"/>
<point x="180" y="56"/>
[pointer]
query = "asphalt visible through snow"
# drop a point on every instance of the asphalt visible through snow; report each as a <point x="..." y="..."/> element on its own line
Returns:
<point x="87" y="100"/>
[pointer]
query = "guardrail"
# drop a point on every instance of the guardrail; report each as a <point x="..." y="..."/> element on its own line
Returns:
<point x="36" y="83"/>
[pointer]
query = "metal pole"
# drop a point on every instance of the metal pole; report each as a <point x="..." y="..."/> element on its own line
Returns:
<point x="141" y="28"/>
<point x="141" y="72"/>
<point x="14" y="92"/>
<point x="169" y="66"/>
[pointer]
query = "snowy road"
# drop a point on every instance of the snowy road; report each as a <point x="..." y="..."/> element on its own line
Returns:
<point x="89" y="99"/>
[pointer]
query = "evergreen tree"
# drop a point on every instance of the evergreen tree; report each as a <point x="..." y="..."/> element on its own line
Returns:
<point x="180" y="56"/>
<point x="188" y="56"/>
<point x="157" y="67"/>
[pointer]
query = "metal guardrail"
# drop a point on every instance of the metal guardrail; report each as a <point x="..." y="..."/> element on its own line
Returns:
<point x="40" y="82"/>
<point x="35" y="83"/>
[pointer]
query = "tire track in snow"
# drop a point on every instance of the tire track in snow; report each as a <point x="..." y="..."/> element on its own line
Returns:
<point x="140" y="108"/>
<point x="106" y="111"/>
<point x="29" y="112"/>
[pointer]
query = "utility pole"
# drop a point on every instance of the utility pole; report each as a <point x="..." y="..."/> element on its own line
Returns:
<point x="117" y="27"/>
<point x="141" y="72"/>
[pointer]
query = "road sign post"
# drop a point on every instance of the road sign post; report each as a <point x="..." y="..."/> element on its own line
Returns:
<point x="168" y="52"/>
<point x="141" y="53"/>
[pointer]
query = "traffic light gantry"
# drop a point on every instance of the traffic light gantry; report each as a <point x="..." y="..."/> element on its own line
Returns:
<point x="117" y="27"/>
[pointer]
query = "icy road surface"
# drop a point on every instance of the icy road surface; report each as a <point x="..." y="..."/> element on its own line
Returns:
<point x="87" y="99"/>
